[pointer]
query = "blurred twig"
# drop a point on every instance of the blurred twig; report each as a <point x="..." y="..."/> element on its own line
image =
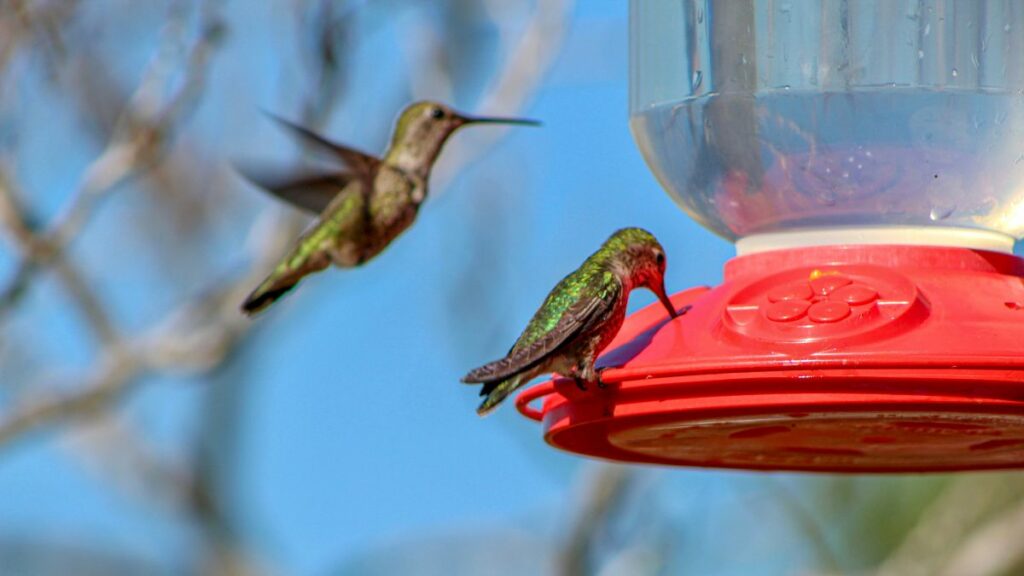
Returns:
<point x="529" y="54"/>
<point x="807" y="522"/>
<point x="31" y="245"/>
<point x="113" y="374"/>
<point x="200" y="335"/>
<point x="605" y="489"/>
<point x="134" y="144"/>
<point x="946" y="521"/>
<point x="43" y="20"/>
<point x="992" y="548"/>
<point x="140" y="134"/>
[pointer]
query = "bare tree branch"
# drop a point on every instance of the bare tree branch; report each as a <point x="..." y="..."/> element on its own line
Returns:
<point x="606" y="488"/>
<point x="42" y="21"/>
<point x="530" y="53"/>
<point x="112" y="377"/>
<point x="947" y="520"/>
<point x="992" y="548"/>
<point x="139" y="136"/>
<point x="201" y="334"/>
<point x="807" y="522"/>
<point x="30" y="245"/>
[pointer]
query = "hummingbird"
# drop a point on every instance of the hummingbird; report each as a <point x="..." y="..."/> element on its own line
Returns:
<point x="579" y="318"/>
<point x="365" y="203"/>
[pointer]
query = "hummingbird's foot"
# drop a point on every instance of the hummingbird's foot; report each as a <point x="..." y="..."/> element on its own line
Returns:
<point x="581" y="383"/>
<point x="600" y="381"/>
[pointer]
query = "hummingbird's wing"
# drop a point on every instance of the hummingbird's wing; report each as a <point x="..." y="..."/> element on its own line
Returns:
<point x="357" y="161"/>
<point x="582" y="316"/>
<point x="307" y="189"/>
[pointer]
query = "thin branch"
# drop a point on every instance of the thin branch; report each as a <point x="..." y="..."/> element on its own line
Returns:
<point x="992" y="548"/>
<point x="112" y="447"/>
<point x="13" y="219"/>
<point x="112" y="378"/>
<point x="807" y="522"/>
<point x="133" y="145"/>
<point x="195" y="337"/>
<point x="944" y="522"/>
<point x="201" y="334"/>
<point x="138" y="138"/>
<point x="605" y="490"/>
<point x="530" y="52"/>
<point x="42" y="21"/>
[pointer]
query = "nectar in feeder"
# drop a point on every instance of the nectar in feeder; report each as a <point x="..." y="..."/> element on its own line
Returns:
<point x="873" y="319"/>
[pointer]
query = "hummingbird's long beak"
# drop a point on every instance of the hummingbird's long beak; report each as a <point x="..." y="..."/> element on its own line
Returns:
<point x="659" y="291"/>
<point x="493" y="120"/>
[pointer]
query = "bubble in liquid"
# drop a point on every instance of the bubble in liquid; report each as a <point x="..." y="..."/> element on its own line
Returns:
<point x="941" y="212"/>
<point x="698" y="77"/>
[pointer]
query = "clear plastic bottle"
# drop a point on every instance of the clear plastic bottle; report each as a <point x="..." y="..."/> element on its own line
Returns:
<point x="803" y="118"/>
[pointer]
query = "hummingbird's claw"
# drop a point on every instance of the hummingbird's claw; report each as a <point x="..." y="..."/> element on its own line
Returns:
<point x="581" y="383"/>
<point x="600" y="381"/>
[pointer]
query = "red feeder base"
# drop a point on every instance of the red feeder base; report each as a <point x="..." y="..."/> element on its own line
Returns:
<point x="831" y="359"/>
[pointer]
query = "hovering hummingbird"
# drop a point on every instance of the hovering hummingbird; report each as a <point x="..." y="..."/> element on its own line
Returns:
<point x="579" y="318"/>
<point x="363" y="205"/>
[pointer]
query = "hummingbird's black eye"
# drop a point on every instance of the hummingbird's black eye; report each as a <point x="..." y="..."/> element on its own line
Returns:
<point x="436" y="113"/>
<point x="660" y="258"/>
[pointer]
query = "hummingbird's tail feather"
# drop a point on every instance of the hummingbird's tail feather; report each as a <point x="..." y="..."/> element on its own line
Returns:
<point x="496" y="392"/>
<point x="266" y="294"/>
<point x="281" y="281"/>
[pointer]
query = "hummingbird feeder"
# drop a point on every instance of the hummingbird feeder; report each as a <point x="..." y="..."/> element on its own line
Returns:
<point x="868" y="161"/>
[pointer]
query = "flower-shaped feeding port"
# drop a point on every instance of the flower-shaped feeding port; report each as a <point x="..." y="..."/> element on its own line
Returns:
<point x="815" y="305"/>
<point x="825" y="298"/>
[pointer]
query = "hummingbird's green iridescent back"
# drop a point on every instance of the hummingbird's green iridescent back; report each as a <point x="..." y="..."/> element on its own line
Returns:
<point x="579" y="318"/>
<point x="592" y="280"/>
<point x="596" y="278"/>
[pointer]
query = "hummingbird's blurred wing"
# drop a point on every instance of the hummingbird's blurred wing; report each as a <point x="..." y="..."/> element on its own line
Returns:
<point x="582" y="316"/>
<point x="311" y="190"/>
<point x="308" y="189"/>
<point x="357" y="161"/>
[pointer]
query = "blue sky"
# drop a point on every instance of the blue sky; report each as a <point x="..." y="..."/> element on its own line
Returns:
<point x="356" y="436"/>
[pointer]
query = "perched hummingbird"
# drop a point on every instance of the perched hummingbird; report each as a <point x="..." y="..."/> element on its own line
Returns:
<point x="364" y="205"/>
<point x="579" y="318"/>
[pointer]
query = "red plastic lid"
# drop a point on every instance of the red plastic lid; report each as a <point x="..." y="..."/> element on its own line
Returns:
<point x="844" y="358"/>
